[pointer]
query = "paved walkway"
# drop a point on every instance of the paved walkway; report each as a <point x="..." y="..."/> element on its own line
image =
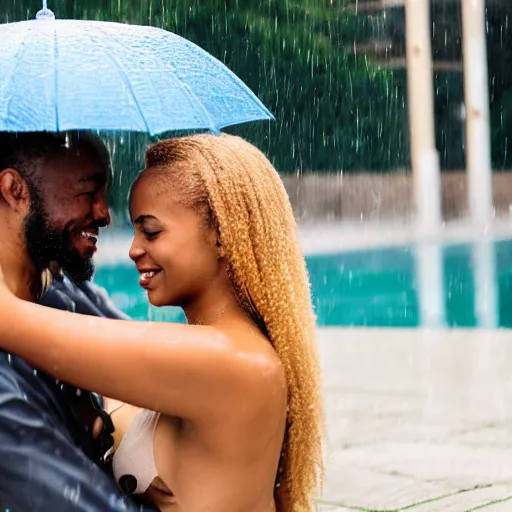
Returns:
<point x="417" y="420"/>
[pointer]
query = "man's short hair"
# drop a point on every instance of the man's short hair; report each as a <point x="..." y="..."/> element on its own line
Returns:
<point x="28" y="152"/>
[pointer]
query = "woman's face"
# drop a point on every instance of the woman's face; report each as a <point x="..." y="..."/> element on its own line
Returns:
<point x="175" y="253"/>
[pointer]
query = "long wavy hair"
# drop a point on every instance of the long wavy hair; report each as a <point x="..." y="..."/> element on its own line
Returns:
<point x="239" y="193"/>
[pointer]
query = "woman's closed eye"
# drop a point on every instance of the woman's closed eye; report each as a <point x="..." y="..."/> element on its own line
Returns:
<point x="151" y="235"/>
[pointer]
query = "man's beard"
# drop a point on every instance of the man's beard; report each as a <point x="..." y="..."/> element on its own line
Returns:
<point x="45" y="244"/>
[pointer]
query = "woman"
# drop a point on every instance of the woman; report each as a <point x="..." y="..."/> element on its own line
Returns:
<point x="226" y="411"/>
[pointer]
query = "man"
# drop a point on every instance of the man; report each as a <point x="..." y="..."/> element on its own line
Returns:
<point x="52" y="206"/>
<point x="69" y="223"/>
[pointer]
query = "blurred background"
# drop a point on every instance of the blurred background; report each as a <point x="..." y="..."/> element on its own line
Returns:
<point x="405" y="217"/>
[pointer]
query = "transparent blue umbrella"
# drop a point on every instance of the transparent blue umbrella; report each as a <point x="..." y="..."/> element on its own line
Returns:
<point x="59" y="75"/>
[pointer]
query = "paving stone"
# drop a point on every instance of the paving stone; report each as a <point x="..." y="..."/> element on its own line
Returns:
<point x="332" y="508"/>
<point x="504" y="506"/>
<point x="324" y="508"/>
<point x="355" y="487"/>
<point x="492" y="436"/>
<point x="465" y="466"/>
<point x="465" y="501"/>
<point x="414" y="415"/>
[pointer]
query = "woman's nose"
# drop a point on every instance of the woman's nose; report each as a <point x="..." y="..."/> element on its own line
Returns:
<point x="136" y="250"/>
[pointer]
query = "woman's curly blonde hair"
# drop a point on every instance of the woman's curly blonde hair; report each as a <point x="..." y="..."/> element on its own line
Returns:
<point x="242" y="196"/>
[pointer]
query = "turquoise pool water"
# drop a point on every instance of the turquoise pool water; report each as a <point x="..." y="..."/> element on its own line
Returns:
<point x="375" y="288"/>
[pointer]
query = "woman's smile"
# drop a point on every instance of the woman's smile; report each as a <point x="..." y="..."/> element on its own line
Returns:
<point x="146" y="277"/>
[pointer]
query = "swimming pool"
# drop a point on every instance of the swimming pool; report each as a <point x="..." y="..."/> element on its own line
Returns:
<point x="372" y="287"/>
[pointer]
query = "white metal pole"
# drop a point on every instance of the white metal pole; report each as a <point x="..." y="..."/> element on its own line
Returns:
<point x="420" y="92"/>
<point x="486" y="289"/>
<point x="429" y="272"/>
<point x="476" y="92"/>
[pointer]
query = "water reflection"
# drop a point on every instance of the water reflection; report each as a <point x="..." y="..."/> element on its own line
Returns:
<point x="423" y="284"/>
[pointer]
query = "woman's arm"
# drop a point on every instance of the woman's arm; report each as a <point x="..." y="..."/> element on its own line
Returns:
<point x="180" y="370"/>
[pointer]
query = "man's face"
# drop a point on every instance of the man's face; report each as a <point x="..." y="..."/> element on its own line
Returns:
<point x="66" y="213"/>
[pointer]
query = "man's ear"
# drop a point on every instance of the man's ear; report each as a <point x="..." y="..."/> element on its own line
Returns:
<point x="14" y="190"/>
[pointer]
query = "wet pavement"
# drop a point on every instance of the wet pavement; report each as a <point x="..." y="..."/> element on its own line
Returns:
<point x="417" y="420"/>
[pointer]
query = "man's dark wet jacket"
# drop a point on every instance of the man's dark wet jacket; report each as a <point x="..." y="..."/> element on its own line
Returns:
<point x="48" y="459"/>
<point x="85" y="298"/>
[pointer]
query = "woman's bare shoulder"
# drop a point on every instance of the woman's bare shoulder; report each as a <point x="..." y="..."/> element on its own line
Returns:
<point x="259" y="363"/>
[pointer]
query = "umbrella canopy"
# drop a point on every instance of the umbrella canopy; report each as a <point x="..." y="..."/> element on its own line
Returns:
<point x="59" y="75"/>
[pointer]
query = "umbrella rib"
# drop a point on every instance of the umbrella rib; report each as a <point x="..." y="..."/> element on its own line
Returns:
<point x="56" y="77"/>
<point x="21" y="49"/>
<point x="129" y="86"/>
<point x="196" y="99"/>
<point x="189" y="93"/>
<point x="235" y="81"/>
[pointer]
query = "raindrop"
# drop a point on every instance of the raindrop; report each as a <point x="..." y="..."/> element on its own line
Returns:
<point x="72" y="493"/>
